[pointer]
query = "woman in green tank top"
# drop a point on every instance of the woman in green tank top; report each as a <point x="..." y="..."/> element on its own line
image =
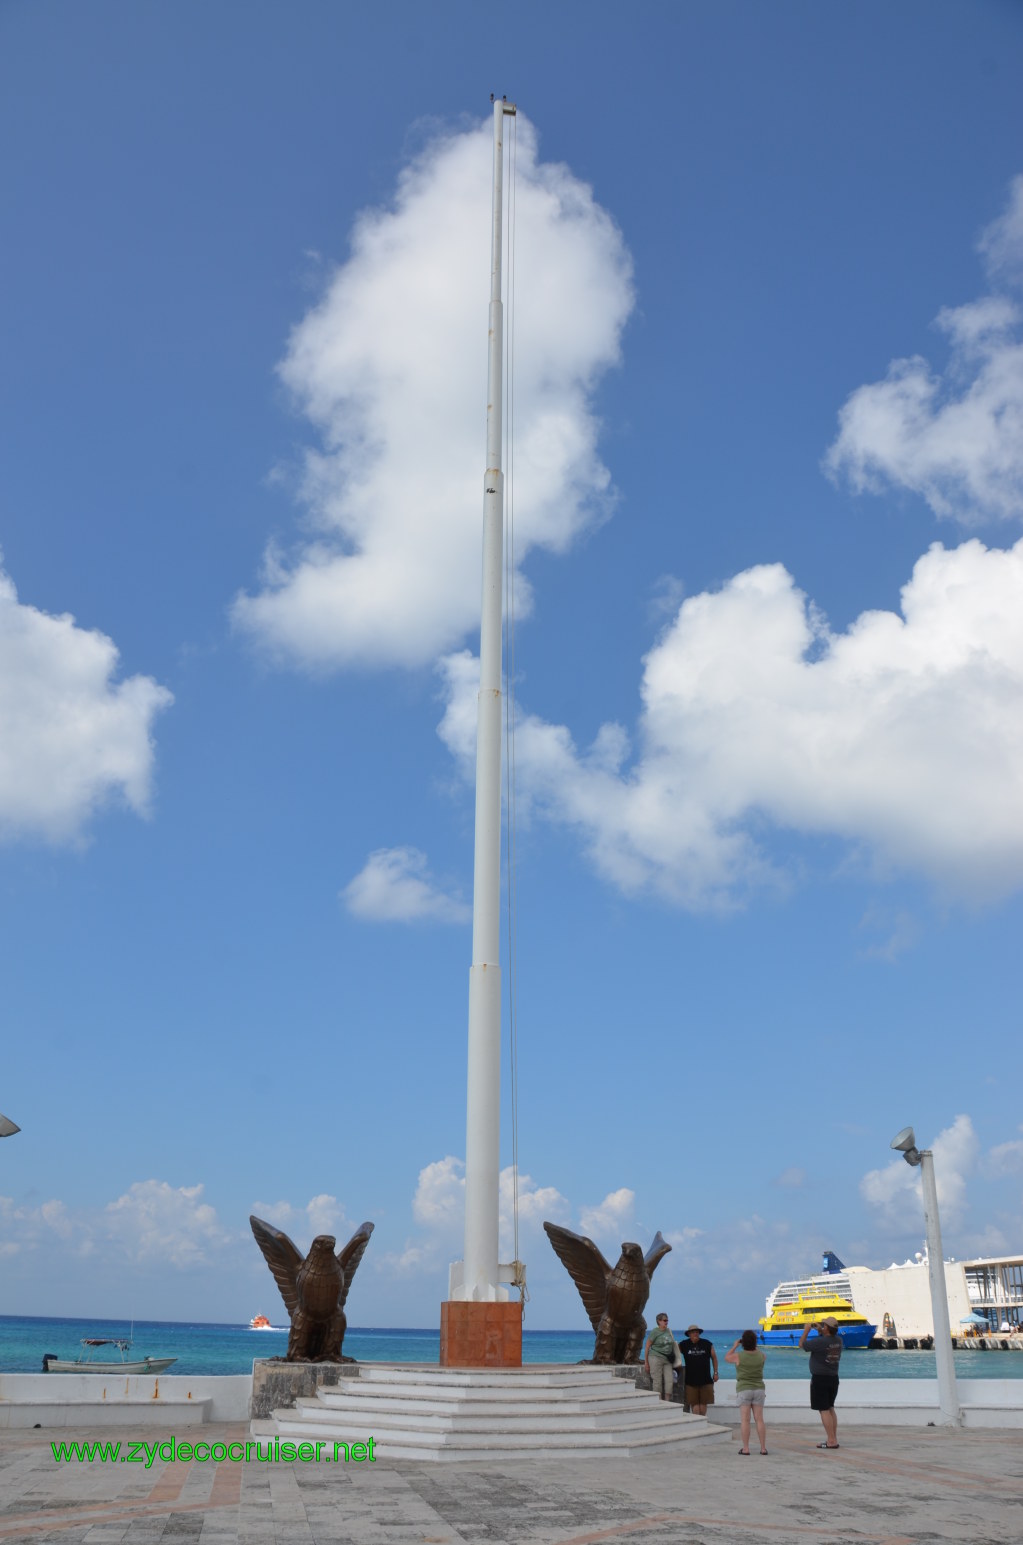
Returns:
<point x="750" y="1389"/>
<point x="659" y="1358"/>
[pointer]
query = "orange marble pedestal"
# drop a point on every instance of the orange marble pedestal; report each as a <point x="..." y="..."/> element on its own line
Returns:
<point x="480" y="1335"/>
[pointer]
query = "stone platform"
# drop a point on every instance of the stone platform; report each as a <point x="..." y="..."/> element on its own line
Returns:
<point x="418" y="1412"/>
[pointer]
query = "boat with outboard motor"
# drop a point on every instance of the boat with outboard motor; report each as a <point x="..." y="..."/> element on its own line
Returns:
<point x="88" y="1362"/>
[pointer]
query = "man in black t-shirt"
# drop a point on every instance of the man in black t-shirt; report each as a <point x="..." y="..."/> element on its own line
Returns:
<point x="698" y="1355"/>
<point x="825" y="1353"/>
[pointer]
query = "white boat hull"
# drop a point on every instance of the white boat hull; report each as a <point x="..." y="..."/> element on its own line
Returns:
<point x="143" y="1365"/>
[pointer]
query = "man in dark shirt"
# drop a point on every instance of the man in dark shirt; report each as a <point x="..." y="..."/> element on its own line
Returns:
<point x="825" y="1352"/>
<point x="698" y="1355"/>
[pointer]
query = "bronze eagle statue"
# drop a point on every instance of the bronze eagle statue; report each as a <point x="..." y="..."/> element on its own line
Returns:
<point x="314" y="1290"/>
<point x="614" y="1296"/>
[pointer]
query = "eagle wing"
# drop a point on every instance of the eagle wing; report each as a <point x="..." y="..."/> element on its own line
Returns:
<point x="350" y="1256"/>
<point x="282" y="1257"/>
<point x="585" y="1265"/>
<point x="658" y="1250"/>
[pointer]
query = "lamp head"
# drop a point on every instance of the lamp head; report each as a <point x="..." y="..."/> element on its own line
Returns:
<point x="8" y="1127"/>
<point x="904" y="1142"/>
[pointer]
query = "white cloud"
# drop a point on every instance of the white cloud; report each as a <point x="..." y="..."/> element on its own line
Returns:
<point x="757" y="1250"/>
<point x="56" y="1215"/>
<point x="322" y="1214"/>
<point x="71" y="739"/>
<point x="1006" y="1158"/>
<point x="325" y="1214"/>
<point x="901" y="735"/>
<point x="988" y="1240"/>
<point x="1002" y="242"/>
<point x="894" y="1192"/>
<point x="414" y="1260"/>
<point x="612" y="1217"/>
<point x="390" y="368"/>
<point x="536" y="1203"/>
<point x="439" y="1201"/>
<point x="280" y="1214"/>
<point x="684" y="1238"/>
<point x="438" y="1207"/>
<point x="396" y="885"/>
<point x="791" y="1179"/>
<point x="154" y="1221"/>
<point x="955" y="438"/>
<point x="154" y="1226"/>
<point x="900" y="932"/>
<point x="30" y="1226"/>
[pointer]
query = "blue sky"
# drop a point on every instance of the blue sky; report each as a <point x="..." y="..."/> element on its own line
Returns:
<point x="769" y="654"/>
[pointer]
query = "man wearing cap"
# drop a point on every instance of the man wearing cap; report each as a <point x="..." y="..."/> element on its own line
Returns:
<point x="825" y="1352"/>
<point x="698" y="1356"/>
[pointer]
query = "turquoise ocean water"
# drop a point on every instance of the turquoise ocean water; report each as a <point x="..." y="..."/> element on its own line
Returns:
<point x="220" y="1349"/>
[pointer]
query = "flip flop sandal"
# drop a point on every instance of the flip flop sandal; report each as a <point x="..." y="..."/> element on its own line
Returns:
<point x="829" y="1445"/>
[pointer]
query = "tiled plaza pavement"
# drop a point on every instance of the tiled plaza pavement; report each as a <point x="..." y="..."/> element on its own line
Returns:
<point x="884" y="1486"/>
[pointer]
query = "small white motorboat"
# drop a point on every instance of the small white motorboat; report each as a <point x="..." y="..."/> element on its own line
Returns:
<point x="88" y="1362"/>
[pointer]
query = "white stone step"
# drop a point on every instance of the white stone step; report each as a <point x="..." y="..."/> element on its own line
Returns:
<point x="533" y="1376"/>
<point x="417" y="1443"/>
<point x="406" y="1398"/>
<point x="554" y="1418"/>
<point x="412" y="1410"/>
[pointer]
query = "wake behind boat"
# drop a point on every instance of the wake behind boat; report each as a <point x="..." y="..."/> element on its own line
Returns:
<point x="88" y="1362"/>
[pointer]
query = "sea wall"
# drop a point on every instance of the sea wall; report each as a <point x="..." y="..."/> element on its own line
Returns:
<point x="129" y="1400"/>
<point x="884" y="1402"/>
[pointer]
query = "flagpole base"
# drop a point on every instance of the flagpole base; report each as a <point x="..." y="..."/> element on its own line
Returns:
<point x="480" y="1335"/>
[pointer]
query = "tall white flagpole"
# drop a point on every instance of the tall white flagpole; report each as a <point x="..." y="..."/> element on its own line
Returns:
<point x="480" y="1270"/>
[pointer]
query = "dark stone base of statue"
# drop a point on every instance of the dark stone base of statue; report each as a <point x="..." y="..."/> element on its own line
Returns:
<point x="277" y="1384"/>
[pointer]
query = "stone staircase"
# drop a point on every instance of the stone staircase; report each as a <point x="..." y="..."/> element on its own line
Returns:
<point x="417" y="1412"/>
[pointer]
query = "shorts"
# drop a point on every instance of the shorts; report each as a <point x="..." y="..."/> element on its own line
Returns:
<point x="699" y="1394"/>
<point x="750" y="1397"/>
<point x="823" y="1390"/>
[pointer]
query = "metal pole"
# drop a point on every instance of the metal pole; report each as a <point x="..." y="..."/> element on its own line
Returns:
<point x="483" y="1097"/>
<point x="948" y="1398"/>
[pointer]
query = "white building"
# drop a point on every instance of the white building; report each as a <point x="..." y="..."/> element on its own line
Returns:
<point x="903" y="1293"/>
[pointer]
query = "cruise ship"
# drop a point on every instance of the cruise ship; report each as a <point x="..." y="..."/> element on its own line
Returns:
<point x="897" y="1299"/>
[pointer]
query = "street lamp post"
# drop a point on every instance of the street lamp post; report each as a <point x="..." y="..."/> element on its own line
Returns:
<point x="948" y="1398"/>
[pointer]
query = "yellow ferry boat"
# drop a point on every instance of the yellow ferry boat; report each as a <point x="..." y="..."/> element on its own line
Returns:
<point x="785" y="1324"/>
<point x="794" y="1305"/>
